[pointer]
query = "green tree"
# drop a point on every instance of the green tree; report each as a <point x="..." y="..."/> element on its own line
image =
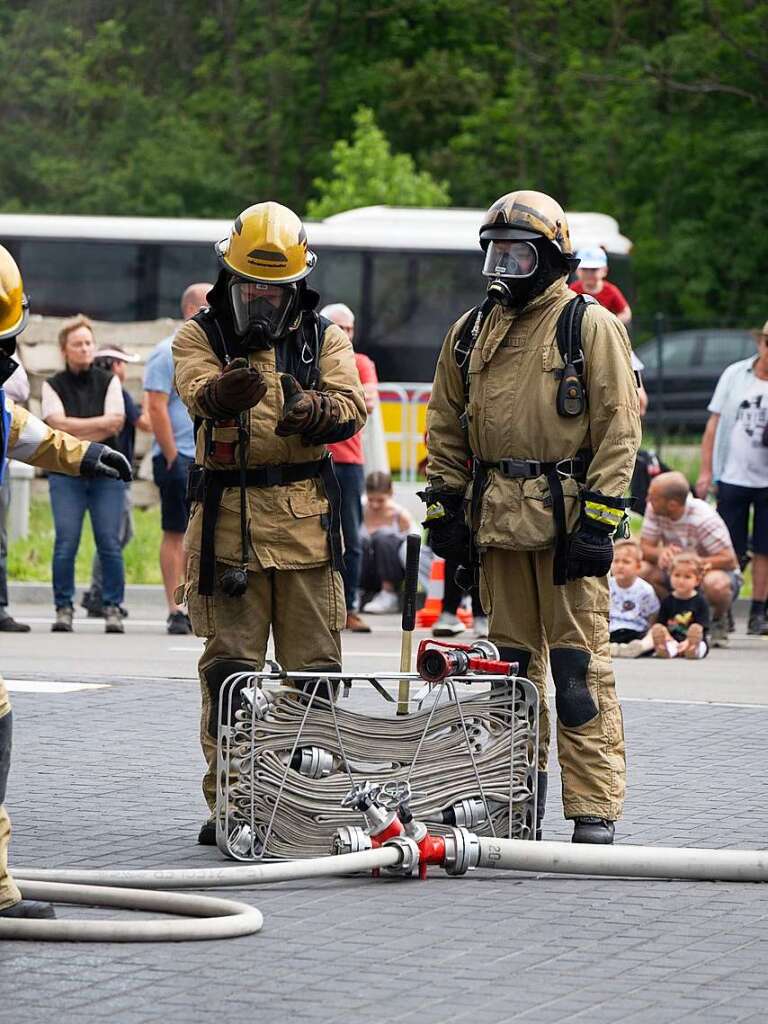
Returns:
<point x="365" y="172"/>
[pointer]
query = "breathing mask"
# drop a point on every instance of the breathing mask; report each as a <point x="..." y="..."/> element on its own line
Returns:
<point x="262" y="312"/>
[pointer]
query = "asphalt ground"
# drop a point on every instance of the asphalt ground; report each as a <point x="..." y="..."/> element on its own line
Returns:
<point x="106" y="773"/>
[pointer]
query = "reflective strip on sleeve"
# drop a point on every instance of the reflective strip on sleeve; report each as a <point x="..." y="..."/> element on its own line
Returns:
<point x="604" y="514"/>
<point x="29" y="434"/>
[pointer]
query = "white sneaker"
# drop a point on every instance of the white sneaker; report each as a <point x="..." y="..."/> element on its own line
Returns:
<point x="448" y="625"/>
<point x="631" y="649"/>
<point x="384" y="603"/>
<point x="480" y="626"/>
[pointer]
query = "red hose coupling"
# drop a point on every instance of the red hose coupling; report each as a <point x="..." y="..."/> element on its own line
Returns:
<point x="431" y="851"/>
<point x="389" y="829"/>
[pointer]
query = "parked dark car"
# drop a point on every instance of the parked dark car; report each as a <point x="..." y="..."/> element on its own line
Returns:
<point x="692" y="363"/>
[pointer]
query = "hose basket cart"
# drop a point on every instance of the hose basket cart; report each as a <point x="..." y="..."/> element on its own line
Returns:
<point x="300" y="773"/>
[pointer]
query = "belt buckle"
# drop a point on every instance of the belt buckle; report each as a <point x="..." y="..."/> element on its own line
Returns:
<point x="513" y="468"/>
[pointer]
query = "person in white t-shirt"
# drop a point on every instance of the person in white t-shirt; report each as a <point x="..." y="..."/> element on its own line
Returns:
<point x="734" y="458"/>
<point x="633" y="603"/>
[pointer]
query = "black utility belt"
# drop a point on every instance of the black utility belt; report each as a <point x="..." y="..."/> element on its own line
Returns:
<point x="574" y="468"/>
<point x="200" y="478"/>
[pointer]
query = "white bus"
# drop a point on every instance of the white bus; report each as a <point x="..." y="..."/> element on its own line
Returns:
<point x="407" y="273"/>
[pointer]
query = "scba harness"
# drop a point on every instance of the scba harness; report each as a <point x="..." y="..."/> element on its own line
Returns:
<point x="570" y="402"/>
<point x="300" y="357"/>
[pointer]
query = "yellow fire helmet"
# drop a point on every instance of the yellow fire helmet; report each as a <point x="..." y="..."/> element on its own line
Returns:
<point x="14" y="307"/>
<point x="267" y="243"/>
<point x="525" y="215"/>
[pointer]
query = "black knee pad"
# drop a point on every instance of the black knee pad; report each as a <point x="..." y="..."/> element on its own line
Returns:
<point x="324" y="690"/>
<point x="6" y="726"/>
<point x="215" y="676"/>
<point x="573" y="700"/>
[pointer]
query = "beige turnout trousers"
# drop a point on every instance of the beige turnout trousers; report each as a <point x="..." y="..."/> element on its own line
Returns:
<point x="305" y="610"/>
<point x="533" y="621"/>
<point x="9" y="893"/>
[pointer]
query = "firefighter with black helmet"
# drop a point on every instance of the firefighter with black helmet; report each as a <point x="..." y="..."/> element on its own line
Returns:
<point x="28" y="439"/>
<point x="269" y="384"/>
<point x="533" y="427"/>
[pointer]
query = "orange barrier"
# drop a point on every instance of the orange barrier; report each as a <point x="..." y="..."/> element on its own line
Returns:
<point x="433" y="606"/>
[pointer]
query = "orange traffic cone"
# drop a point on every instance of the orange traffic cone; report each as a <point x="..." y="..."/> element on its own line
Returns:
<point x="433" y="606"/>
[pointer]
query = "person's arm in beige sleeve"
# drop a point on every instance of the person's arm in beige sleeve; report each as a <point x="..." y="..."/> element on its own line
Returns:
<point x="447" y="449"/>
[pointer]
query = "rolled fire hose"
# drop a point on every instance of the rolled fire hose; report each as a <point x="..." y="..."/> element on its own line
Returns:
<point x="227" y="919"/>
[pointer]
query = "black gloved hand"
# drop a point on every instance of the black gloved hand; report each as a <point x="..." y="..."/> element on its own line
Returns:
<point x="590" y="548"/>
<point x="590" y="553"/>
<point x="305" y="412"/>
<point x="101" y="461"/>
<point x="449" y="536"/>
<point x="238" y="387"/>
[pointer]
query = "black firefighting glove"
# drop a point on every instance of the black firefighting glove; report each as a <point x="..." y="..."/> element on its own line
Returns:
<point x="449" y="535"/>
<point x="238" y="387"/>
<point x="590" y="547"/>
<point x="309" y="413"/>
<point x="101" y="461"/>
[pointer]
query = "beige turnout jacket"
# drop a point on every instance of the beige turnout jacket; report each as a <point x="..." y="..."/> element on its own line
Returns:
<point x="512" y="414"/>
<point x="286" y="524"/>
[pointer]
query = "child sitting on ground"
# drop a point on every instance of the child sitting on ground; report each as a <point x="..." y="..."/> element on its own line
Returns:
<point x="385" y="527"/>
<point x="634" y="603"/>
<point x="683" y="616"/>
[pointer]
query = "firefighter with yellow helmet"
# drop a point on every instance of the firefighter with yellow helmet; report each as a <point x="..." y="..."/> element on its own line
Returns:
<point x="269" y="383"/>
<point x="533" y="427"/>
<point x="28" y="439"/>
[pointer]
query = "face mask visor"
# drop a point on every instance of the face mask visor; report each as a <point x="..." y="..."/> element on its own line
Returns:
<point x="261" y="310"/>
<point x="510" y="259"/>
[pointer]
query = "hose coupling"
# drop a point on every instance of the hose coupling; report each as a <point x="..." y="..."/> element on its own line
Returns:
<point x="314" y="762"/>
<point x="255" y="702"/>
<point x="462" y="851"/>
<point x="409" y="856"/>
<point x="350" y="839"/>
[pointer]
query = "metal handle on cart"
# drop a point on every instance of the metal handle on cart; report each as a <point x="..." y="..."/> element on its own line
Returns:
<point x="412" y="550"/>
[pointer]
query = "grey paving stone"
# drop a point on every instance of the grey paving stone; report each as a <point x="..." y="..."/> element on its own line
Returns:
<point x="111" y="777"/>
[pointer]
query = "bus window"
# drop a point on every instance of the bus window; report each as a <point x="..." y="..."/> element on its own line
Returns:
<point x="415" y="299"/>
<point x="337" y="276"/>
<point x="178" y="267"/>
<point x="100" y="279"/>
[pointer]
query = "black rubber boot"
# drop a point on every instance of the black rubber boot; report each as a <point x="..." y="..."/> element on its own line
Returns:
<point x="541" y="802"/>
<point x="207" y="834"/>
<point x="593" y="830"/>
<point x="29" y="908"/>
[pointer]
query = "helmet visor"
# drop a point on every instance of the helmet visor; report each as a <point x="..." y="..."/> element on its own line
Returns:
<point x="256" y="305"/>
<point x="514" y="259"/>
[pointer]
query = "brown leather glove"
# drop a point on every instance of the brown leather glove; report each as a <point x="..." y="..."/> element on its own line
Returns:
<point x="238" y="387"/>
<point x="305" y="412"/>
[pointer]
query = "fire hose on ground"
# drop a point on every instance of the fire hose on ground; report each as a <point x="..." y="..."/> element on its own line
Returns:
<point x="138" y="890"/>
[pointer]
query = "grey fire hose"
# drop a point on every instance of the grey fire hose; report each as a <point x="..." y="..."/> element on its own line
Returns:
<point x="134" y="890"/>
<point x="225" y="919"/>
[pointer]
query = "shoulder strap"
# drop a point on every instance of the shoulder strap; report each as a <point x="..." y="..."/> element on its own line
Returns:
<point x="569" y="333"/>
<point x="465" y="342"/>
<point x="206" y="320"/>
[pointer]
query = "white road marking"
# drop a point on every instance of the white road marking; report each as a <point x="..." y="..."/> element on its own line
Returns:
<point x="698" y="703"/>
<point x="50" y="686"/>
